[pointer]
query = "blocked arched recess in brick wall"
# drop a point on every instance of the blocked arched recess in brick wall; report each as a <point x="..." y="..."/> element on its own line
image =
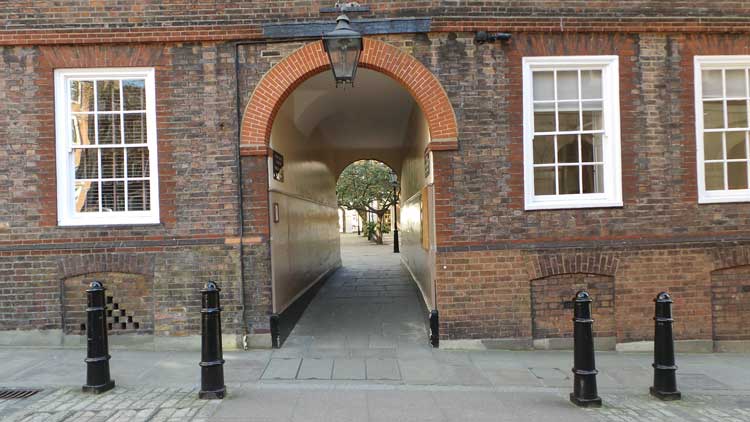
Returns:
<point x="311" y="59"/>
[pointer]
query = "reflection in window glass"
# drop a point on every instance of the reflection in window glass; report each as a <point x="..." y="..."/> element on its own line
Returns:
<point x="736" y="83"/>
<point x="544" y="86"/>
<point x="567" y="85"/>
<point x="138" y="195"/>
<point x="86" y="163"/>
<point x="567" y="148"/>
<point x="713" y="114"/>
<point x="715" y="176"/>
<point x="544" y="149"/>
<point x="135" y="94"/>
<point x="591" y="148"/>
<point x="108" y="95"/>
<point x="135" y="128"/>
<point x="592" y="115"/>
<point x="83" y="129"/>
<point x="737" y="175"/>
<point x="113" y="196"/>
<point x="725" y="128"/>
<point x="138" y="165"/>
<point x="591" y="84"/>
<point x="569" y="117"/>
<point x="713" y="146"/>
<point x="113" y="163"/>
<point x="81" y="96"/>
<point x="109" y="129"/>
<point x="592" y="179"/>
<point x="736" y="144"/>
<point x="737" y="114"/>
<point x="712" y="85"/>
<point x="544" y="181"/>
<point x="109" y="145"/>
<point x="86" y="197"/>
<point x="568" y="178"/>
<point x="568" y="109"/>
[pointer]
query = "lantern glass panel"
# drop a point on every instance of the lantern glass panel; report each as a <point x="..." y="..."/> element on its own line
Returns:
<point x="344" y="55"/>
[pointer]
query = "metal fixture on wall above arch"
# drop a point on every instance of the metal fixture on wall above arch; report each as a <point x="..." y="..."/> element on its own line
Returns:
<point x="483" y="37"/>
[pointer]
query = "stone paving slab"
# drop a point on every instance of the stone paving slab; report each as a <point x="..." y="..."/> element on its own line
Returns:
<point x="315" y="369"/>
<point x="349" y="369"/>
<point x="382" y="369"/>
<point x="552" y="377"/>
<point x="282" y="368"/>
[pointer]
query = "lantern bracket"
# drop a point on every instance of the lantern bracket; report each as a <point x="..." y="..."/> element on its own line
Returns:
<point x="350" y="7"/>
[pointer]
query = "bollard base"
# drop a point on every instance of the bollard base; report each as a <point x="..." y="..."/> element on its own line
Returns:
<point x="580" y="402"/>
<point x="213" y="395"/>
<point x="666" y="395"/>
<point x="98" y="389"/>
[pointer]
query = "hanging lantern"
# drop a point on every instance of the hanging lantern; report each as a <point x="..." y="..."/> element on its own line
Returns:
<point x="343" y="46"/>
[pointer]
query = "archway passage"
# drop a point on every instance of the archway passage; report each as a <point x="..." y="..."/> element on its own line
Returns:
<point x="373" y="298"/>
<point x="287" y="75"/>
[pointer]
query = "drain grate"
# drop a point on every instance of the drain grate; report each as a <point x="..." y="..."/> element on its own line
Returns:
<point x="7" y="393"/>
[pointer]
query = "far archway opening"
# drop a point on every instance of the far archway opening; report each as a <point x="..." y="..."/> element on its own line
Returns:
<point x="350" y="292"/>
<point x="367" y="195"/>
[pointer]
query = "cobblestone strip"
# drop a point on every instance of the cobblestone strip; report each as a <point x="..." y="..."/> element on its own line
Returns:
<point x="119" y="405"/>
<point x="698" y="408"/>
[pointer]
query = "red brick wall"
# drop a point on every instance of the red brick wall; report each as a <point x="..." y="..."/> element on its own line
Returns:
<point x="197" y="180"/>
<point x="730" y="295"/>
<point x="35" y="22"/>
<point x="552" y="300"/>
<point x="129" y="299"/>
<point x="660" y="240"/>
<point x="483" y="295"/>
<point x="501" y="291"/>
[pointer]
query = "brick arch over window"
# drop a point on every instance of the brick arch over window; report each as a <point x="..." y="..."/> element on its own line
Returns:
<point x="311" y="59"/>
<point x="730" y="257"/>
<point x="584" y="262"/>
<point x="78" y="265"/>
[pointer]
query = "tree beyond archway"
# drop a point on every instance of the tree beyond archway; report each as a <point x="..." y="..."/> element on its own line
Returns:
<point x="365" y="186"/>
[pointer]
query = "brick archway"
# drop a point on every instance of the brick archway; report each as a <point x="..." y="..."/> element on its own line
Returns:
<point x="311" y="59"/>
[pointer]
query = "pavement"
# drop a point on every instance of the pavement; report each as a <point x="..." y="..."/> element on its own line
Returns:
<point x="360" y="353"/>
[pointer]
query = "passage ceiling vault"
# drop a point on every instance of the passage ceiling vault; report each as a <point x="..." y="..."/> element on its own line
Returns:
<point x="369" y="120"/>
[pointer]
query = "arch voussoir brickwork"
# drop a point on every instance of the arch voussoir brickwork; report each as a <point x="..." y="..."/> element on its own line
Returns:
<point x="542" y="265"/>
<point x="311" y="59"/>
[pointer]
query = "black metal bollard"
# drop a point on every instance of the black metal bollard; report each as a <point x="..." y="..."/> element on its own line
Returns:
<point x="212" y="362"/>
<point x="665" y="380"/>
<point x="434" y="328"/>
<point x="97" y="358"/>
<point x="584" y="369"/>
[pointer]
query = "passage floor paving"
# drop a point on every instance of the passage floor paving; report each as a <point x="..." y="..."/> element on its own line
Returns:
<point x="366" y="315"/>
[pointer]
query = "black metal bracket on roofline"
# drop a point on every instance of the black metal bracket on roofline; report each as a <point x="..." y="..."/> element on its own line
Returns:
<point x="482" y="37"/>
<point x="351" y="7"/>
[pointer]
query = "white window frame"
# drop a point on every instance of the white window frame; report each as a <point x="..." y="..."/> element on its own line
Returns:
<point x="701" y="63"/>
<point x="612" y="195"/>
<point x="66" y="215"/>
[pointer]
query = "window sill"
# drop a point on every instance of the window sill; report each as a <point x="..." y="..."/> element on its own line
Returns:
<point x="124" y="221"/>
<point x="728" y="199"/>
<point x="564" y="205"/>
